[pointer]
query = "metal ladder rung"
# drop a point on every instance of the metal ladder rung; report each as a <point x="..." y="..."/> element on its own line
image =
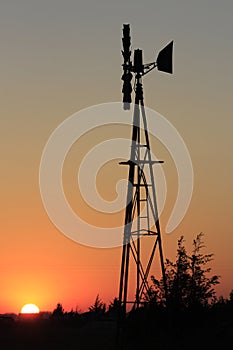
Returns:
<point x="142" y="185"/>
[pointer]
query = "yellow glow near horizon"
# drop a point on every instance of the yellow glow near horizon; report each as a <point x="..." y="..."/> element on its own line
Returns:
<point x="30" y="309"/>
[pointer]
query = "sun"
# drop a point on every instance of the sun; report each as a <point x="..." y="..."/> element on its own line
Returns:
<point x="30" y="309"/>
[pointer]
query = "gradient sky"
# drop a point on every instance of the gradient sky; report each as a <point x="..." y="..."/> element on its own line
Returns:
<point x="58" y="57"/>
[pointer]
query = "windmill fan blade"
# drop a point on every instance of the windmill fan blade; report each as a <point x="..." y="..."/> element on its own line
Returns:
<point x="164" y="60"/>
<point x="127" y="75"/>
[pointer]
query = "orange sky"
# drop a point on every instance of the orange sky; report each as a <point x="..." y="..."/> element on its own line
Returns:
<point x="59" y="60"/>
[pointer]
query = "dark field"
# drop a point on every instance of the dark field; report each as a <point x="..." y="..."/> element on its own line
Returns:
<point x="205" y="330"/>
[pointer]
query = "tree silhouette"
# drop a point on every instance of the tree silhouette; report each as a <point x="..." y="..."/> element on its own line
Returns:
<point x="58" y="312"/>
<point x="114" y="306"/>
<point x="231" y="297"/>
<point x="188" y="281"/>
<point x="98" y="307"/>
<point x="201" y="286"/>
<point x="178" y="277"/>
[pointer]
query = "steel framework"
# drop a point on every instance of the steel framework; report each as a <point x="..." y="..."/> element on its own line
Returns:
<point x="141" y="215"/>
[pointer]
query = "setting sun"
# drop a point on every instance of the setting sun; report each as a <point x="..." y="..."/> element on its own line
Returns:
<point x="30" y="309"/>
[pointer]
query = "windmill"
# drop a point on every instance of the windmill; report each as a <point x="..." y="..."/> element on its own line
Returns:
<point x="141" y="207"/>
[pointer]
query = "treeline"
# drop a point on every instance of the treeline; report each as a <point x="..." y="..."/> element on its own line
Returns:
<point x="189" y="285"/>
<point x="183" y="313"/>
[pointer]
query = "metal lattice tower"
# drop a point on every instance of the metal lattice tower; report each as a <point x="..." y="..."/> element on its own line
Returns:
<point x="141" y="196"/>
